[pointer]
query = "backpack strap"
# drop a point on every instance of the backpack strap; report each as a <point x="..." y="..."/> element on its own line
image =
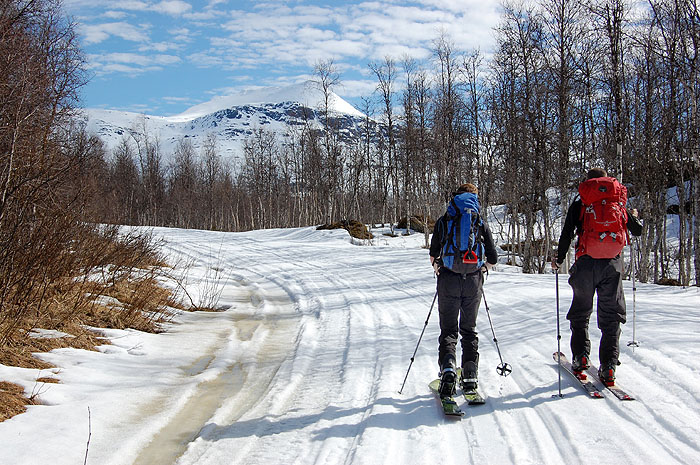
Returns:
<point x="477" y="223"/>
<point x="444" y="237"/>
<point x="449" y="235"/>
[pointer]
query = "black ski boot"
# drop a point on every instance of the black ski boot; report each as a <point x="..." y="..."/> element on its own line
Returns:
<point x="580" y="364"/>
<point x="469" y="376"/>
<point x="606" y="372"/>
<point x="448" y="382"/>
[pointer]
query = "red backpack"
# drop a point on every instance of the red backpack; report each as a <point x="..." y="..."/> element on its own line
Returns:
<point x="604" y="218"/>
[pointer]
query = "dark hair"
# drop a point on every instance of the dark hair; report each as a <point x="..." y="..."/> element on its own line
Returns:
<point x="596" y="173"/>
<point x="468" y="187"/>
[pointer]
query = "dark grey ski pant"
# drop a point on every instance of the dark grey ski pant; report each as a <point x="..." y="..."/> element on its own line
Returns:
<point x="459" y="297"/>
<point x="589" y="276"/>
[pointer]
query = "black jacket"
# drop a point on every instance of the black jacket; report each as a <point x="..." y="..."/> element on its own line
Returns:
<point x="573" y="227"/>
<point x="484" y="234"/>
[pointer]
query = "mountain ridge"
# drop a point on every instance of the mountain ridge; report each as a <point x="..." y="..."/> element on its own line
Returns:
<point x="230" y="118"/>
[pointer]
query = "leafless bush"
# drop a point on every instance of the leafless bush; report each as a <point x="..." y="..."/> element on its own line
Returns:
<point x="102" y="279"/>
<point x="49" y="255"/>
<point x="58" y="271"/>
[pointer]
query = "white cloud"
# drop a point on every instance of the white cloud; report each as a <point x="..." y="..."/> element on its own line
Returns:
<point x="396" y="51"/>
<point x="182" y="31"/>
<point x="182" y="35"/>
<point x="275" y="40"/>
<point x="130" y="63"/>
<point x="96" y="33"/>
<point x="172" y="7"/>
<point x="177" y="100"/>
<point x="166" y="59"/>
<point x="356" y="88"/>
<point x="160" y="47"/>
<point x="274" y="32"/>
<point x="169" y="7"/>
<point x="304" y="34"/>
<point x="131" y="5"/>
<point x="114" y="15"/>
<point x="119" y="68"/>
<point x="206" y="59"/>
<point x="142" y="60"/>
<point x="206" y="15"/>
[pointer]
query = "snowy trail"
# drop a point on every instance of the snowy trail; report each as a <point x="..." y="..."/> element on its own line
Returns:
<point x="305" y="363"/>
<point x="363" y="317"/>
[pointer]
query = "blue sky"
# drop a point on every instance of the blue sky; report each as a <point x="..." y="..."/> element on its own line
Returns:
<point x="161" y="57"/>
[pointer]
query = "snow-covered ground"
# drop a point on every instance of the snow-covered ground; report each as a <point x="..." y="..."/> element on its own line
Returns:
<point x="304" y="363"/>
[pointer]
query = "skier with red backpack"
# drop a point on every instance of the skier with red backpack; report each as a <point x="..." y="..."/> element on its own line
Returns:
<point x="601" y="221"/>
<point x="461" y="249"/>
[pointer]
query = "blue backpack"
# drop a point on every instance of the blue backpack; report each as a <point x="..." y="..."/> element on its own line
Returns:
<point x="462" y="251"/>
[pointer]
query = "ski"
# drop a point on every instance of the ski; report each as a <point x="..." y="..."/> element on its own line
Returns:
<point x="583" y="380"/>
<point x="615" y="389"/>
<point x="449" y="405"/>
<point x="472" y="397"/>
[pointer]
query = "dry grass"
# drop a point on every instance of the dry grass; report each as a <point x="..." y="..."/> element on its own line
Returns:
<point x="12" y="400"/>
<point x="21" y="352"/>
<point x="118" y="286"/>
<point x="141" y="304"/>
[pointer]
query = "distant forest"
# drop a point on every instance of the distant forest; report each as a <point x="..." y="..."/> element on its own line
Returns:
<point x="570" y="85"/>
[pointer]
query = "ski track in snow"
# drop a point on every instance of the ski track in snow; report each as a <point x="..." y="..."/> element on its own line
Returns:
<point x="305" y="364"/>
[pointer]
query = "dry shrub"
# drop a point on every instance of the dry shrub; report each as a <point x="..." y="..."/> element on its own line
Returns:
<point x="355" y="228"/>
<point x="101" y="263"/>
<point x="12" y="400"/>
<point x="417" y="223"/>
<point x="126" y="268"/>
<point x="137" y="303"/>
<point x="109" y="281"/>
<point x="53" y="263"/>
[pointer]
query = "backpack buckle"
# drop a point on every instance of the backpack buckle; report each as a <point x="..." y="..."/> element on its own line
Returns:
<point x="470" y="257"/>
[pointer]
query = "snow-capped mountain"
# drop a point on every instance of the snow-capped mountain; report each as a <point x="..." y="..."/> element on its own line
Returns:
<point x="230" y="118"/>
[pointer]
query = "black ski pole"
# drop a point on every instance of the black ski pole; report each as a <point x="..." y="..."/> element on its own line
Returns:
<point x="633" y="343"/>
<point x="503" y="369"/>
<point x="556" y="278"/>
<point x="419" y="339"/>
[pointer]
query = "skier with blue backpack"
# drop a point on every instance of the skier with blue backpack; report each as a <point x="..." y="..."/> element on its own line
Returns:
<point x="461" y="250"/>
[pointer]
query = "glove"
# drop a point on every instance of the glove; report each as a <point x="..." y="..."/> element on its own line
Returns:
<point x="436" y="265"/>
<point x="555" y="265"/>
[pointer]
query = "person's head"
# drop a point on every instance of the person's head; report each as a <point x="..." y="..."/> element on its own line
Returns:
<point x="468" y="187"/>
<point x="596" y="173"/>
